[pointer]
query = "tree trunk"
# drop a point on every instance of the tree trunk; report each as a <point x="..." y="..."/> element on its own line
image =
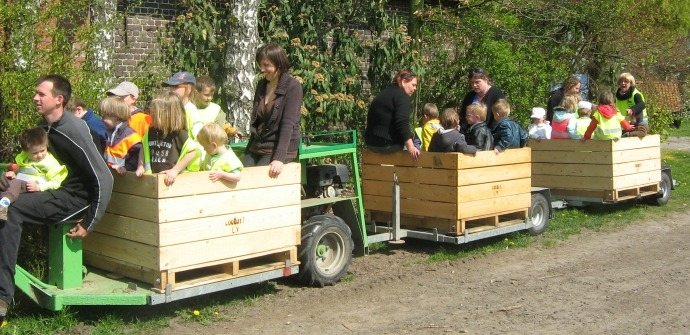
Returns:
<point x="242" y="42"/>
<point x="102" y="15"/>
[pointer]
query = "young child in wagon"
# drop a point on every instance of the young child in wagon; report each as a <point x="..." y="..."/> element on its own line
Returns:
<point x="221" y="161"/>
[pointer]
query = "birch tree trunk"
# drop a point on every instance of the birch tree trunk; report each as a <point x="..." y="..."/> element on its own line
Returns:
<point x="239" y="62"/>
<point x="103" y="14"/>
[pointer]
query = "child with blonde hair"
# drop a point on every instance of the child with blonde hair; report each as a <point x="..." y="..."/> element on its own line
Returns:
<point x="183" y="84"/>
<point x="630" y="102"/>
<point x="507" y="133"/>
<point x="478" y="133"/>
<point x="122" y="143"/>
<point x="167" y="147"/>
<point x="431" y="124"/>
<point x="607" y="123"/>
<point x="564" y="123"/>
<point x="584" y="112"/>
<point x="222" y="163"/>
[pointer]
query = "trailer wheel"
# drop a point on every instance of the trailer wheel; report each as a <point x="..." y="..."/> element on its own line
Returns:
<point x="326" y="250"/>
<point x="538" y="213"/>
<point x="664" y="194"/>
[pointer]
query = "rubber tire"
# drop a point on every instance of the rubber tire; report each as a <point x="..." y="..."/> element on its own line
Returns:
<point x="664" y="194"/>
<point x="332" y="238"/>
<point x="539" y="214"/>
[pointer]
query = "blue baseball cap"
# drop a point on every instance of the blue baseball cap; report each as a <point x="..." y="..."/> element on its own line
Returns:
<point x="180" y="78"/>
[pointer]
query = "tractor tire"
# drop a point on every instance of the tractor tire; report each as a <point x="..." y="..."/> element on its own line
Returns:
<point x="539" y="214"/>
<point x="326" y="250"/>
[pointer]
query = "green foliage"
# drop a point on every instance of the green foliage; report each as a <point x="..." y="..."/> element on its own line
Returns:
<point x="327" y="55"/>
<point x="49" y="40"/>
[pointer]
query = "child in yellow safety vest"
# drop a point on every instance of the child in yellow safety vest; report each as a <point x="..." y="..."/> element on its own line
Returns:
<point x="122" y="143"/>
<point x="607" y="123"/>
<point x="222" y="162"/>
<point x="167" y="147"/>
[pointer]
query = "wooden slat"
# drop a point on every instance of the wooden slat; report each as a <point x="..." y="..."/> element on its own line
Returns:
<point x="596" y="183"/>
<point x="450" y="194"/>
<point x="195" y="183"/>
<point x="617" y="157"/>
<point x="176" y="232"/>
<point x="625" y="143"/>
<point x="445" y="177"/>
<point x="449" y="160"/>
<point x="591" y="170"/>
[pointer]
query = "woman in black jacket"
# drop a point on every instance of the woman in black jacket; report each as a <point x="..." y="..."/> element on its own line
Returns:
<point x="482" y="91"/>
<point x="571" y="86"/>
<point x="275" y="128"/>
<point x="388" y="120"/>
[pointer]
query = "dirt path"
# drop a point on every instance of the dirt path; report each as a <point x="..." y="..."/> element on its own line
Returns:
<point x="635" y="280"/>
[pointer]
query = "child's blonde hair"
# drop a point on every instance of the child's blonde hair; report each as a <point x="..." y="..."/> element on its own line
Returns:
<point x="478" y="109"/>
<point x="570" y="102"/>
<point x="430" y="110"/>
<point x="605" y="98"/>
<point x="627" y="77"/>
<point x="212" y="133"/>
<point x="167" y="112"/>
<point x="114" y="107"/>
<point x="450" y="118"/>
<point x="582" y="112"/>
<point x="501" y="107"/>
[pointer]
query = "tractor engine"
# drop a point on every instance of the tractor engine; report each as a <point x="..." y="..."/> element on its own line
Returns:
<point x="326" y="181"/>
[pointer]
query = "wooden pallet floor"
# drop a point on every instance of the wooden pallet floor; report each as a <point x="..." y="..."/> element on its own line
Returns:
<point x="455" y="227"/>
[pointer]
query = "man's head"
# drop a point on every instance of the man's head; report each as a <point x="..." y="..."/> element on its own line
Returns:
<point x="52" y="94"/>
<point x="34" y="142"/>
<point x="128" y="91"/>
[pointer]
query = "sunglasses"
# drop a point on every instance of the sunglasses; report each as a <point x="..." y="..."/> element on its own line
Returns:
<point x="408" y="75"/>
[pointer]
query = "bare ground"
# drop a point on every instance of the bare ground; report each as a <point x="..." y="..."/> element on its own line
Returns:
<point x="634" y="280"/>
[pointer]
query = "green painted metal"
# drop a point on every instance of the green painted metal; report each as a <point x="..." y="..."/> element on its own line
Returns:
<point x="64" y="257"/>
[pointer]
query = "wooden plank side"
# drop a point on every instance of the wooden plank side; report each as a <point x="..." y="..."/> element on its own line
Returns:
<point x="597" y="183"/>
<point x="134" y="206"/>
<point x="445" y="177"/>
<point x="437" y="193"/>
<point x="226" y="225"/>
<point x="129" y="228"/>
<point x="121" y="268"/>
<point x="194" y="183"/>
<point x="625" y="143"/>
<point x="121" y="249"/>
<point x="481" y="208"/>
<point x="206" y="205"/>
<point x="636" y="180"/>
<point x="188" y="254"/>
<point x="449" y="160"/>
<point x="569" y="157"/>
<point x="412" y="207"/>
<point x="591" y="170"/>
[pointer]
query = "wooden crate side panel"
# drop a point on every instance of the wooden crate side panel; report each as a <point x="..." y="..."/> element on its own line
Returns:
<point x="134" y="206"/>
<point x="206" y="205"/>
<point x="636" y="180"/>
<point x="188" y="254"/>
<point x="184" y="231"/>
<point x="570" y="157"/>
<point x="597" y="183"/>
<point x="427" y="176"/>
<point x="481" y="208"/>
<point x="625" y="143"/>
<point x="452" y="211"/>
<point x="194" y="183"/>
<point x="449" y="194"/>
<point x="128" y="251"/>
<point x="449" y="160"/>
<point x="120" y="268"/>
<point x="430" y="176"/>
<point x="141" y="231"/>
<point x="591" y="170"/>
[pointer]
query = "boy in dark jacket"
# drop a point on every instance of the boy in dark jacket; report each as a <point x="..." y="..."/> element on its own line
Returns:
<point x="477" y="133"/>
<point x="507" y="133"/>
<point x="449" y="139"/>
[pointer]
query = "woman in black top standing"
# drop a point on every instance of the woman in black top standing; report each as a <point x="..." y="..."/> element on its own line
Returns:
<point x="388" y="120"/>
<point x="482" y="91"/>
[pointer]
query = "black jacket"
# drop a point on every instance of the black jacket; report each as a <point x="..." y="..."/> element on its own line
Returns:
<point x="554" y="100"/>
<point x="479" y="136"/>
<point x="492" y="95"/>
<point x="388" y="120"/>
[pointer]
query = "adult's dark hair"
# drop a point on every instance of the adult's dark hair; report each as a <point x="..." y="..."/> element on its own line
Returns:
<point x="32" y="137"/>
<point x="404" y="75"/>
<point x="276" y="55"/>
<point x="477" y="73"/>
<point x="61" y="86"/>
<point x="570" y="82"/>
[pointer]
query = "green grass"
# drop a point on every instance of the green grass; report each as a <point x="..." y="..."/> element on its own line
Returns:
<point x="684" y="129"/>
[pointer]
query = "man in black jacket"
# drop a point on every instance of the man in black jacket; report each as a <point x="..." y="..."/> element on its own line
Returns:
<point x="88" y="183"/>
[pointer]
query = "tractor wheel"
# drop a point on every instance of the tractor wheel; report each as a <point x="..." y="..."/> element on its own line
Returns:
<point x="326" y="250"/>
<point x="539" y="214"/>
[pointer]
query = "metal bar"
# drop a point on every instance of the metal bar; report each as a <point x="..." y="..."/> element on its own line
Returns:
<point x="396" y="208"/>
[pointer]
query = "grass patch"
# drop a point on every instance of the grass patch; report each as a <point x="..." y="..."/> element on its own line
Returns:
<point x="683" y="131"/>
